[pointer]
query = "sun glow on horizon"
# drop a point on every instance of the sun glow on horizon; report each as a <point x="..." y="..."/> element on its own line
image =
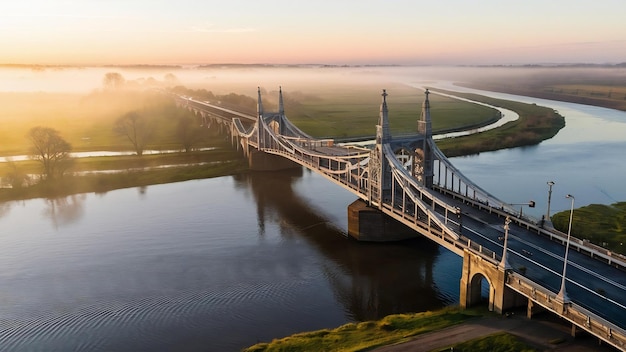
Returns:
<point x="279" y="31"/>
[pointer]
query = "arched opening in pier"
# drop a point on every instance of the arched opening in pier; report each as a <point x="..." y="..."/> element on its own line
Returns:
<point x="479" y="291"/>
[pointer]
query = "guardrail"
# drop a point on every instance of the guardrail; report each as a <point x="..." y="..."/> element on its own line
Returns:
<point x="572" y="312"/>
<point x="614" y="259"/>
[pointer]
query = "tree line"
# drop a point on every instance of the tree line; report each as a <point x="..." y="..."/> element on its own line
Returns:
<point x="154" y="120"/>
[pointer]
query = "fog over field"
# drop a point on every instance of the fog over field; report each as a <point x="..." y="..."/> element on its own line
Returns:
<point x="224" y="79"/>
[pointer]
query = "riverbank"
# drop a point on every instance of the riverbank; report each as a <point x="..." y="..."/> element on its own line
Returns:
<point x="368" y="335"/>
<point x="605" y="90"/>
<point x="542" y="333"/>
<point x="535" y="124"/>
<point x="444" y="330"/>
<point x="103" y="174"/>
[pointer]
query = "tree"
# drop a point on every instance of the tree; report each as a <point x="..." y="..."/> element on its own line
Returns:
<point x="15" y="177"/>
<point x="113" y="80"/>
<point x="51" y="150"/>
<point x="136" y="128"/>
<point x="171" y="79"/>
<point x="188" y="132"/>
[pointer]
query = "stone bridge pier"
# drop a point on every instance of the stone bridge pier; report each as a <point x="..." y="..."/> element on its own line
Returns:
<point x="477" y="268"/>
<point x="261" y="161"/>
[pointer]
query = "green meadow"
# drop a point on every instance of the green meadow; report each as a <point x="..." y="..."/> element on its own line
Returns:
<point x="393" y="329"/>
<point x="353" y="111"/>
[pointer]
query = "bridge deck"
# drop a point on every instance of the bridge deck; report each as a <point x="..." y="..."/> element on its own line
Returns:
<point x="334" y="151"/>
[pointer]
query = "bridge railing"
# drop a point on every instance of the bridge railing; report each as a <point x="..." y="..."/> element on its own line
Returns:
<point x="418" y="193"/>
<point x="615" y="259"/>
<point x="574" y="313"/>
<point x="242" y="130"/>
<point x="462" y="185"/>
<point x="584" y="246"/>
<point x="311" y="143"/>
<point x="339" y="169"/>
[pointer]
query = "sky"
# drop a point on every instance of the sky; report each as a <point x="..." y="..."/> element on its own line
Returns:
<point x="338" y="32"/>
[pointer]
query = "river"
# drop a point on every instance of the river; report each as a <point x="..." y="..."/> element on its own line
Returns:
<point x="215" y="264"/>
<point x="585" y="159"/>
<point x="220" y="264"/>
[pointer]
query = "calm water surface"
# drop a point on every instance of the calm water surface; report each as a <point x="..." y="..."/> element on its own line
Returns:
<point x="215" y="265"/>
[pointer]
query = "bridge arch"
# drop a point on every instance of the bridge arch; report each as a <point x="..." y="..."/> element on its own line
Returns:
<point x="475" y="268"/>
<point x="475" y="290"/>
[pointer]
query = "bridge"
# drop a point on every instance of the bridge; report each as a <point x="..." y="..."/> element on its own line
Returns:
<point x="405" y="186"/>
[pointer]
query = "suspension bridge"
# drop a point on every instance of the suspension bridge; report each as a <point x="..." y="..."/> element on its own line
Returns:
<point x="405" y="186"/>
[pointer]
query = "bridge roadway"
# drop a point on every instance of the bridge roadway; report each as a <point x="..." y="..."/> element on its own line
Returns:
<point x="596" y="286"/>
<point x="591" y="283"/>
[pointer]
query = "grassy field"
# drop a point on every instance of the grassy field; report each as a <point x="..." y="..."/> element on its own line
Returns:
<point x="397" y="328"/>
<point x="592" y="86"/>
<point x="592" y="94"/>
<point x="369" y="334"/>
<point x="133" y="171"/>
<point x="353" y="111"/>
<point x="499" y="342"/>
<point x="86" y="122"/>
<point x="604" y="225"/>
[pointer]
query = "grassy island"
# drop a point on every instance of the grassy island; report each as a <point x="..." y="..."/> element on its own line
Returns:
<point x="535" y="124"/>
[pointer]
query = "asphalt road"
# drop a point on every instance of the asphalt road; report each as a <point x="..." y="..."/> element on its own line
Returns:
<point x="590" y="283"/>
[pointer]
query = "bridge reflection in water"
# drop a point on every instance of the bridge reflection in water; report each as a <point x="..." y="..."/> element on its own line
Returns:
<point x="411" y="181"/>
<point x="370" y="281"/>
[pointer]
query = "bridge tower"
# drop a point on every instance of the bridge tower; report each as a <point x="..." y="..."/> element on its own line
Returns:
<point x="380" y="180"/>
<point x="259" y="119"/>
<point x="424" y="127"/>
<point x="258" y="159"/>
<point x="281" y="105"/>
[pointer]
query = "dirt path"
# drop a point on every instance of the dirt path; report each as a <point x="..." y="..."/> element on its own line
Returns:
<point x="537" y="332"/>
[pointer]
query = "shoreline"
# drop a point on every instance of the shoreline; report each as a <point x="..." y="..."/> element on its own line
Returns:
<point x="542" y="333"/>
<point x="445" y="329"/>
<point x="536" y="92"/>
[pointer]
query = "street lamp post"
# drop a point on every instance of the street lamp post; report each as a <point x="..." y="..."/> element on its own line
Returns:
<point x="550" y="184"/>
<point x="504" y="263"/>
<point x="531" y="204"/>
<point x="562" y="295"/>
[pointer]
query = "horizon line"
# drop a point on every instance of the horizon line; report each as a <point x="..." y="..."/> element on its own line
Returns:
<point x="227" y="64"/>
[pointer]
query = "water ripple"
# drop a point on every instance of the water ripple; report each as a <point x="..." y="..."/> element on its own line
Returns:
<point x="89" y="328"/>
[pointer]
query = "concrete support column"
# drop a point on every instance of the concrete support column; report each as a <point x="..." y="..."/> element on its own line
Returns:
<point x="533" y="308"/>
<point x="369" y="224"/>
<point x="475" y="268"/>
<point x="261" y="161"/>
